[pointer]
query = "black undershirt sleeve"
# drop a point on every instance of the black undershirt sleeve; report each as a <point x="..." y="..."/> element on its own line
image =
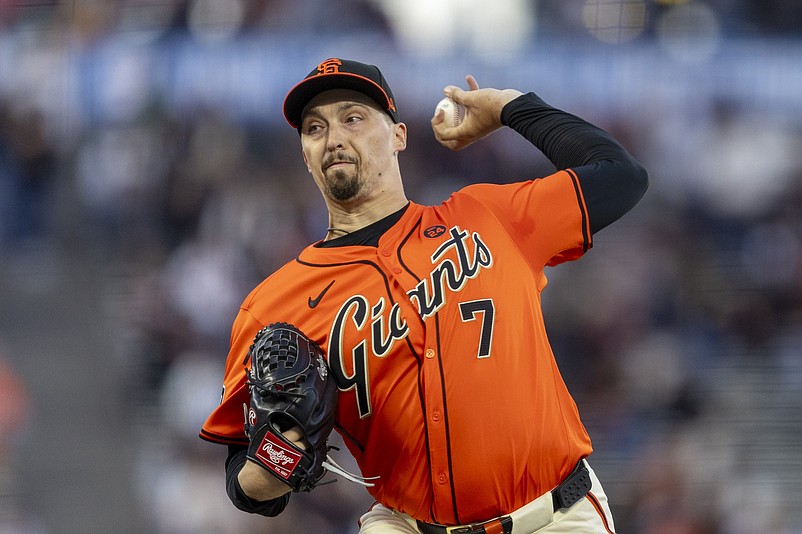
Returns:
<point x="236" y="459"/>
<point x="612" y="180"/>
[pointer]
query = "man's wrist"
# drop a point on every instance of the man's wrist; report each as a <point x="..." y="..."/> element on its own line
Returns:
<point x="257" y="484"/>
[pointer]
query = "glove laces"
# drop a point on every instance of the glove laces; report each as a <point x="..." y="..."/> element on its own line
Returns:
<point x="331" y="465"/>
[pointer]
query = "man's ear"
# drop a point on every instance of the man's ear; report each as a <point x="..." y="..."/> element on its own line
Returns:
<point x="400" y="139"/>
<point x="306" y="161"/>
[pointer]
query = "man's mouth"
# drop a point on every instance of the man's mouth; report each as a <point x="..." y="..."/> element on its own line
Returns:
<point x="336" y="163"/>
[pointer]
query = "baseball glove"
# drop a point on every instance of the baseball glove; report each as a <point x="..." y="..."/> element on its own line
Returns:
<point x="289" y="386"/>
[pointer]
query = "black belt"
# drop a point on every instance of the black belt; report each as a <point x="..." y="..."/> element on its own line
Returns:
<point x="569" y="492"/>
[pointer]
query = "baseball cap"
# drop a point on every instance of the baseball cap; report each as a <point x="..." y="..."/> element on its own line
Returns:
<point x="335" y="73"/>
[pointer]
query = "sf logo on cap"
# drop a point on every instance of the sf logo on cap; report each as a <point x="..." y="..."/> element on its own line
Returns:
<point x="330" y="66"/>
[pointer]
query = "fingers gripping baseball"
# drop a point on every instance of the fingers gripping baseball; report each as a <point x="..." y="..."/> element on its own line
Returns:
<point x="482" y="114"/>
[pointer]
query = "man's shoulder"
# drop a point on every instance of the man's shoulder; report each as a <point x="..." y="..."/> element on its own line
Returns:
<point x="279" y="278"/>
<point x="477" y="192"/>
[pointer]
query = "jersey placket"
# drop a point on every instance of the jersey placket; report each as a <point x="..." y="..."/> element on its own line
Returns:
<point x="432" y="388"/>
<point x="437" y="424"/>
<point x="432" y="385"/>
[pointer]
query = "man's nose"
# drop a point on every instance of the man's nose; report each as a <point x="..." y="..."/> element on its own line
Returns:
<point x="335" y="140"/>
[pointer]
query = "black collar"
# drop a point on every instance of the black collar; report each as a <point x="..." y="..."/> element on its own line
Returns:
<point x="367" y="236"/>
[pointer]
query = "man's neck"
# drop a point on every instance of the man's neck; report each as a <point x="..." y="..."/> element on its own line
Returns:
<point x="347" y="219"/>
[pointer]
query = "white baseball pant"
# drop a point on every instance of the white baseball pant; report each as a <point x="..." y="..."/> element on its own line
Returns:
<point x="590" y="515"/>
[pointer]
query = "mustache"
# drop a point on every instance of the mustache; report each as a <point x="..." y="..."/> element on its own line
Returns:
<point x="338" y="158"/>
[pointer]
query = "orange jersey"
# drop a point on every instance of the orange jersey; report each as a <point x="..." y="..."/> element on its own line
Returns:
<point x="449" y="391"/>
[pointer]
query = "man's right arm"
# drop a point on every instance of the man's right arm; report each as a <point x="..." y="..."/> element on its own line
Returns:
<point x="612" y="180"/>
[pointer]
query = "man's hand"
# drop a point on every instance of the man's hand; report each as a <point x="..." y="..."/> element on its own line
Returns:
<point x="482" y="114"/>
<point x="260" y="485"/>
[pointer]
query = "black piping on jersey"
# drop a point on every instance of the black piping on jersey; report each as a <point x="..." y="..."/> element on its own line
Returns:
<point x="348" y="435"/>
<point x="586" y="243"/>
<point x="445" y="420"/>
<point x="224" y="440"/>
<point x="421" y="394"/>
<point x="390" y="298"/>
<point x="453" y="488"/>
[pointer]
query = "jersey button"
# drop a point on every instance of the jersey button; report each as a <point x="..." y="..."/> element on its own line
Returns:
<point x="386" y="253"/>
<point x="442" y="478"/>
<point x="430" y="353"/>
<point x="436" y="416"/>
<point x="397" y="270"/>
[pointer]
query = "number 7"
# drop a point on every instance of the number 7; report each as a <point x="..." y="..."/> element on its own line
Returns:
<point x="469" y="311"/>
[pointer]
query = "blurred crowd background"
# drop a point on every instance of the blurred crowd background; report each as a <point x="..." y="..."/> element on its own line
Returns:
<point x="148" y="182"/>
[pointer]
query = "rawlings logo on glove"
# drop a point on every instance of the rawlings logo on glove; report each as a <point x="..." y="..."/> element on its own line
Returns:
<point x="277" y="458"/>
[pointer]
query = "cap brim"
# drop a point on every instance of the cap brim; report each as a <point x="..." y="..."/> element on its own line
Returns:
<point x="300" y="95"/>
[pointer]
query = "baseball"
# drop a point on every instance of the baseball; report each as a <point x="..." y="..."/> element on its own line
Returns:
<point x="454" y="113"/>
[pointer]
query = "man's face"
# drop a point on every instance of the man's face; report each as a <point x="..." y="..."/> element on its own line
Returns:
<point x="349" y="145"/>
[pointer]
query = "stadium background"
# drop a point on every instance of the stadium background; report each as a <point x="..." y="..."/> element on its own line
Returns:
<point x="147" y="182"/>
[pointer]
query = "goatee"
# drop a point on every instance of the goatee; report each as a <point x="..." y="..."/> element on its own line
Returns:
<point x="344" y="187"/>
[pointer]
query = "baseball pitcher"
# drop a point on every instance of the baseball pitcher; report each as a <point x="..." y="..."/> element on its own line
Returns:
<point x="426" y="320"/>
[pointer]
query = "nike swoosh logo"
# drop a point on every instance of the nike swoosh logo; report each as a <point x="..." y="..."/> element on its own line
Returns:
<point x="314" y="302"/>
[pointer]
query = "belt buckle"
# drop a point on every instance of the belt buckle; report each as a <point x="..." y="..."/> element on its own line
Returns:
<point x="505" y="522"/>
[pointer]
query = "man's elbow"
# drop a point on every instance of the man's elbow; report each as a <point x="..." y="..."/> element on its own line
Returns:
<point x="643" y="178"/>
<point x="640" y="181"/>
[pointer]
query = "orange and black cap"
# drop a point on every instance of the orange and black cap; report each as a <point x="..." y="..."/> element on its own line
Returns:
<point x="335" y="73"/>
